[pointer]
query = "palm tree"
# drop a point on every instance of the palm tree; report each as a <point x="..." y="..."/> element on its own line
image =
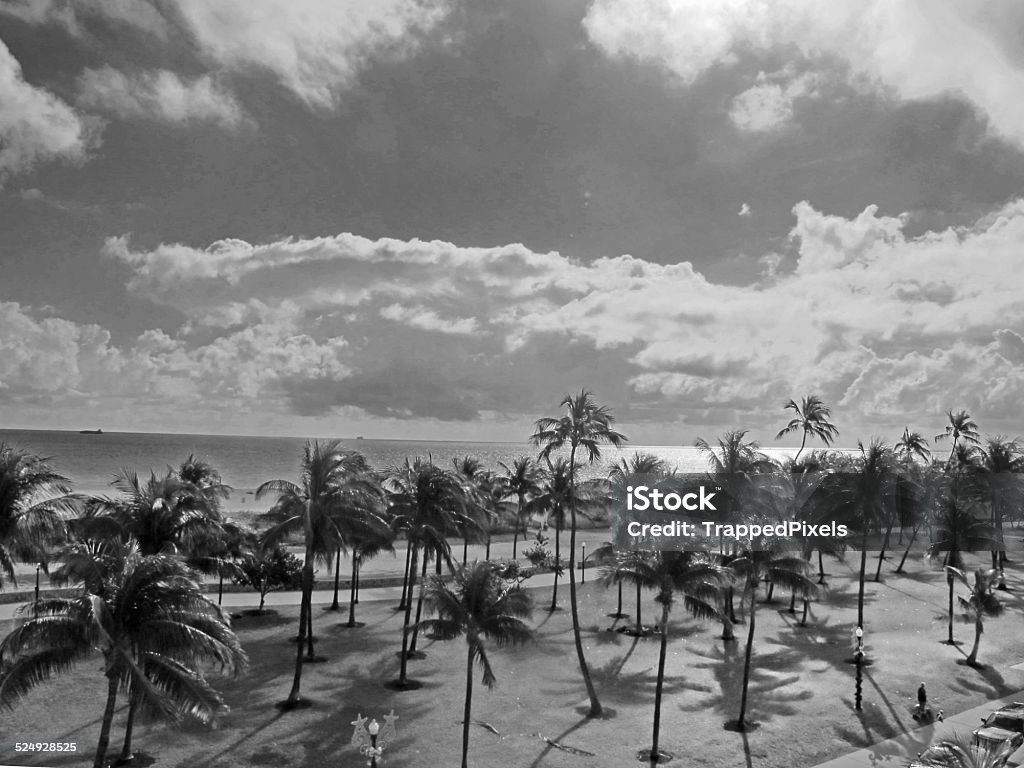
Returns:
<point x="522" y="481"/>
<point x="670" y="573"/>
<point x="33" y="502"/>
<point x="428" y="502"/>
<point x="961" y="752"/>
<point x="1000" y="463"/>
<point x="959" y="530"/>
<point x="366" y="545"/>
<point x="778" y="568"/>
<point x="217" y="552"/>
<point x="482" y="607"/>
<point x="163" y="514"/>
<point x="869" y="492"/>
<point x="336" y="494"/>
<point x="634" y="566"/>
<point x="980" y="602"/>
<point x="205" y="477"/>
<point x="552" y="502"/>
<point x="731" y="466"/>
<point x="810" y="418"/>
<point x="153" y="626"/>
<point x="911" y="446"/>
<point x="586" y="425"/>
<point x="961" y="427"/>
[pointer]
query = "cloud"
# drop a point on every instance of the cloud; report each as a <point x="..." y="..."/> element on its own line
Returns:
<point x="35" y="125"/>
<point x="71" y="13"/>
<point x="744" y="210"/>
<point x="158" y="95"/>
<point x="910" y="49"/>
<point x="315" y="48"/>
<point x="767" y="106"/>
<point x="886" y="327"/>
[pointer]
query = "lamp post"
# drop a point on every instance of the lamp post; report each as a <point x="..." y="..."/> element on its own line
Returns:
<point x="583" y="564"/>
<point x="372" y="738"/>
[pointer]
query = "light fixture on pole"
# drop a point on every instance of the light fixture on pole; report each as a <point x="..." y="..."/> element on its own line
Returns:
<point x="372" y="738"/>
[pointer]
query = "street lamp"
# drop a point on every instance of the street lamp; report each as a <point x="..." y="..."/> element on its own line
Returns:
<point x="372" y="738"/>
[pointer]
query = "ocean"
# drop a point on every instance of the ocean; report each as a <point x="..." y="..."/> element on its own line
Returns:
<point x="91" y="461"/>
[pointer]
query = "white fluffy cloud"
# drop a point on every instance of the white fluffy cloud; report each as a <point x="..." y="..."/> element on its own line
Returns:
<point x="158" y="95"/>
<point x="315" y="48"/>
<point x="768" y="104"/>
<point x="35" y="125"/>
<point x="890" y="329"/>
<point x="915" y="50"/>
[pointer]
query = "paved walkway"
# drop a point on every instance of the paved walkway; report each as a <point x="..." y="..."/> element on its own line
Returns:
<point x="900" y="750"/>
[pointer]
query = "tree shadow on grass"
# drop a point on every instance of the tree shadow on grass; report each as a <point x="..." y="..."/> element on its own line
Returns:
<point x="558" y="740"/>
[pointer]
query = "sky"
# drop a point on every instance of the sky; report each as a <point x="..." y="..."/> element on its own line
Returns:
<point x="432" y="219"/>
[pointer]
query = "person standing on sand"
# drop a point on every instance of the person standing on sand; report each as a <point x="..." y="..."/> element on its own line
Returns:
<point x="922" y="698"/>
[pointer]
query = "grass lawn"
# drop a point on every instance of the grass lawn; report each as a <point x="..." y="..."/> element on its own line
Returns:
<point x="801" y="692"/>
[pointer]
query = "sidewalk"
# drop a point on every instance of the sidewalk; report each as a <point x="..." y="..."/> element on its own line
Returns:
<point x="898" y="751"/>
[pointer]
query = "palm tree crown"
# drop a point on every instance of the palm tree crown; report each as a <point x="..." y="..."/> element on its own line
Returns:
<point x="811" y="418"/>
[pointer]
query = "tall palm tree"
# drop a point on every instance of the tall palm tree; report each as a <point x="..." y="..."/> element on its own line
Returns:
<point x="778" y="568"/>
<point x="810" y="418"/>
<point x="585" y="426"/>
<point x="204" y="476"/>
<point x="553" y="502"/>
<point x="960" y="529"/>
<point x="482" y="607"/>
<point x="961" y="427"/>
<point x="152" y="625"/>
<point x="522" y="482"/>
<point x="336" y="493"/>
<point x="999" y="467"/>
<point x="636" y="567"/>
<point x="428" y="502"/>
<point x="869" y="492"/>
<point x="34" y="499"/>
<point x="692" y="575"/>
<point x="980" y="602"/>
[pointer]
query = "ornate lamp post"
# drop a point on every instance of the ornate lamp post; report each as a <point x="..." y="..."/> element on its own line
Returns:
<point x="371" y="739"/>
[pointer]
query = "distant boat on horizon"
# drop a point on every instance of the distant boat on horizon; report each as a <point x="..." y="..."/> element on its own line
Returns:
<point x="90" y="431"/>
<point x="359" y="437"/>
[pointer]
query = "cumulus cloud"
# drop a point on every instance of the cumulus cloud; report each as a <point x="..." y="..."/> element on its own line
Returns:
<point x="888" y="328"/>
<point x="157" y="95"/>
<point x="70" y="14"/>
<point x="35" y="125"/>
<point x="315" y="48"/>
<point x="767" y="105"/>
<point x="913" y="50"/>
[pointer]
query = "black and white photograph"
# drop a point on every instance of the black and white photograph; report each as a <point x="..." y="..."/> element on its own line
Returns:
<point x="512" y="383"/>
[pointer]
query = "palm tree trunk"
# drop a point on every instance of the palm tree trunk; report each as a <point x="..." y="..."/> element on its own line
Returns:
<point x="126" y="749"/>
<point x="741" y="722"/>
<point x="821" y="568"/>
<point x="554" y="588"/>
<point x="358" y="569"/>
<point x="352" y="597"/>
<point x="487" y="551"/>
<point x="310" y="653"/>
<point x="467" y="710"/>
<point x="949" y="580"/>
<point x="220" y="589"/>
<point x="807" y="603"/>
<point x="972" y="659"/>
<point x="792" y="602"/>
<point x="405" y="575"/>
<point x="881" y="555"/>
<point x="402" y="676"/>
<point x="595" y="705"/>
<point x="108" y="719"/>
<point x="337" y="580"/>
<point x="465" y="546"/>
<point x="661" y="682"/>
<point x="618" y="609"/>
<point x="515" y="535"/>
<point x="803" y="442"/>
<point x="304" y="605"/>
<point x="913" y="535"/>
<point x="639" y="624"/>
<point x="863" y="569"/>
<point x="419" y="604"/>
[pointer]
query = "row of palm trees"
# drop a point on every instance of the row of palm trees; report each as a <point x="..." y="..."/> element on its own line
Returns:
<point x="340" y="504"/>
